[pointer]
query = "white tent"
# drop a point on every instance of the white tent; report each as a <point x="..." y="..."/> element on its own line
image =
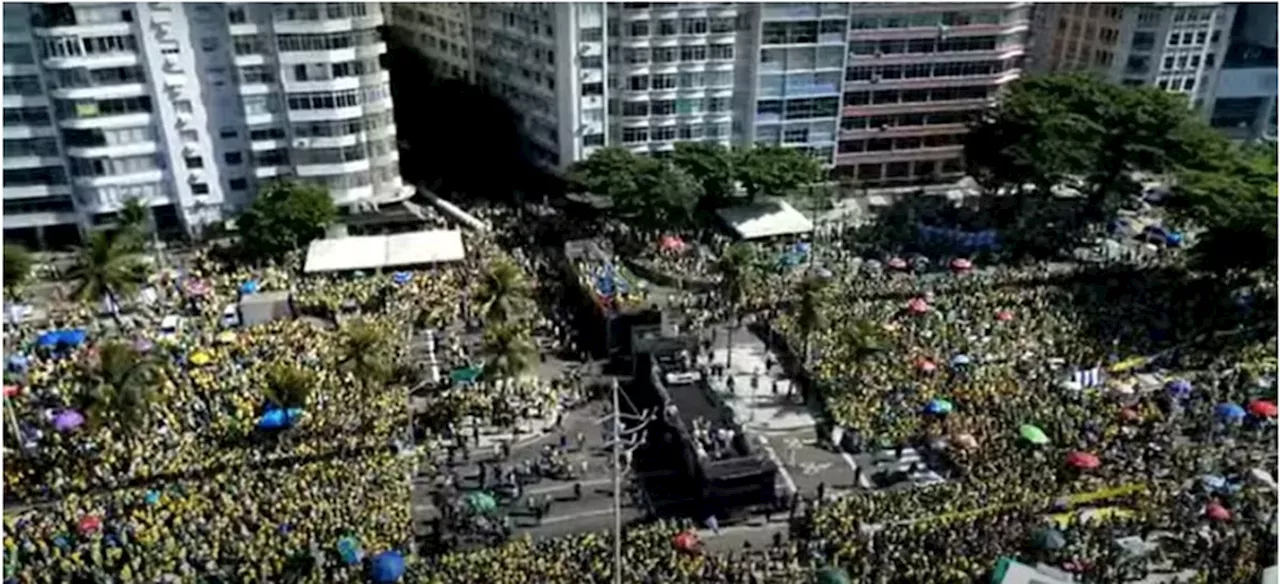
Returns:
<point x="384" y="251"/>
<point x="769" y="219"/>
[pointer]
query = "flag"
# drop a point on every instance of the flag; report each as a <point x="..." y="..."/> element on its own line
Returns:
<point x="1088" y="377"/>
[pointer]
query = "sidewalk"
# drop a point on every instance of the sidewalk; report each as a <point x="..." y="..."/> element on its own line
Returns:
<point x="757" y="409"/>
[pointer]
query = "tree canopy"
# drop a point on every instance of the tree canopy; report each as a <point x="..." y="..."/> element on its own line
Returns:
<point x="17" y="265"/>
<point x="284" y="217"/>
<point x="775" y="171"/>
<point x="1231" y="195"/>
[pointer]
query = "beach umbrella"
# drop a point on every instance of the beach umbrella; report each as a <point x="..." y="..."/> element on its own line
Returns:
<point x="1173" y="239"/>
<point x="249" y="287"/>
<point x="402" y="277"/>
<point x="670" y="243"/>
<point x="1262" y="408"/>
<point x="926" y="365"/>
<point x="226" y="337"/>
<point x="685" y="541"/>
<point x="897" y="263"/>
<point x="197" y="287"/>
<point x="465" y="374"/>
<point x="960" y="359"/>
<point x="1083" y="460"/>
<point x="1213" y="482"/>
<point x="1229" y="411"/>
<point x="918" y="306"/>
<point x="89" y="524"/>
<point x="68" y="420"/>
<point x="961" y="265"/>
<point x="873" y="264"/>
<point x="1217" y="512"/>
<point x="1179" y="387"/>
<point x="939" y="407"/>
<point x="11" y="390"/>
<point x="200" y="358"/>
<point x="349" y="550"/>
<point x="276" y="418"/>
<point x="1033" y="434"/>
<point x="481" y="502"/>
<point x="832" y="575"/>
<point x="1049" y="539"/>
<point x="152" y="497"/>
<point x="1004" y="315"/>
<point x="387" y="567"/>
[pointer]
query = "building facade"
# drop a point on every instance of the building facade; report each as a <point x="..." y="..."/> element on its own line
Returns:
<point x="189" y="108"/>
<point x="1243" y="104"/>
<point x="880" y="92"/>
<point x="1178" y="47"/>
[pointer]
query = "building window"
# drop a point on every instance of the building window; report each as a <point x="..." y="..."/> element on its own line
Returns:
<point x="227" y="133"/>
<point x="593" y="140"/>
<point x="237" y="184"/>
<point x="236" y="15"/>
<point x="233" y="158"/>
<point x="199" y="188"/>
<point x="194" y="162"/>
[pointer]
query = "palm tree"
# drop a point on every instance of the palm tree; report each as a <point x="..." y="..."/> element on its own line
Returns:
<point x="504" y="294"/>
<point x="738" y="273"/>
<point x="107" y="266"/>
<point x="366" y="352"/>
<point x="864" y="337"/>
<point x="123" y="387"/>
<point x="510" y="351"/>
<point x="809" y="317"/>
<point x="289" y="386"/>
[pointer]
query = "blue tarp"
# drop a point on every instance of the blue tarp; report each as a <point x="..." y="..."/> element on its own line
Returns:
<point x="965" y="240"/>
<point x="387" y="567"/>
<point x="73" y="337"/>
<point x="349" y="550"/>
<point x="276" y="418"/>
<point x="402" y="277"/>
<point x="249" y="287"/>
<point x="1179" y="387"/>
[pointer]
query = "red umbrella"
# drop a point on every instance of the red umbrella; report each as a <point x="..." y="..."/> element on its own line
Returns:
<point x="898" y="263"/>
<point x="1262" y="408"/>
<point x="1004" y="315"/>
<point x="918" y="306"/>
<point x="90" y="523"/>
<point x="1083" y="460"/>
<point x="11" y="390"/>
<point x="686" y="541"/>
<point x="671" y="243"/>
<point x="1217" y="512"/>
<point x="927" y="366"/>
<point x="961" y="264"/>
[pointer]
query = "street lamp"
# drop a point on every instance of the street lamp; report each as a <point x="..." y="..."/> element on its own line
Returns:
<point x="635" y="437"/>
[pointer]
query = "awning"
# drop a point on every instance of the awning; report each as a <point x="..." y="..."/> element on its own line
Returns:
<point x="769" y="219"/>
<point x="384" y="251"/>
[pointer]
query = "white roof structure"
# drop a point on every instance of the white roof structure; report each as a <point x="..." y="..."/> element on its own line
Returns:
<point x="769" y="219"/>
<point x="370" y="252"/>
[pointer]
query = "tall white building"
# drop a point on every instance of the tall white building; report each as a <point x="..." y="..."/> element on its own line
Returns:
<point x="879" y="91"/>
<point x="189" y="107"/>
<point x="1243" y="104"/>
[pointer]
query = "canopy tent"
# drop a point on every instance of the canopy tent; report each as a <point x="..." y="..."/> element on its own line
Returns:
<point x="769" y="219"/>
<point x="370" y="252"/>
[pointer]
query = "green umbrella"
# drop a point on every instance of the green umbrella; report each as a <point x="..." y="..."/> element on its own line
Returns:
<point x="481" y="502"/>
<point x="1033" y="434"/>
<point x="832" y="575"/>
<point x="465" y="375"/>
<point x="1002" y="568"/>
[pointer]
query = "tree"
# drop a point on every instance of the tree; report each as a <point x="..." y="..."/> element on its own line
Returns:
<point x="135" y="218"/>
<point x="613" y="172"/>
<point x="123" y="388"/>
<point x="107" y="266"/>
<point x="17" y="265"/>
<point x="1231" y="194"/>
<point x="738" y="273"/>
<point x="289" y="386"/>
<point x="366" y="352"/>
<point x="712" y="165"/>
<point x="509" y="350"/>
<point x="775" y="170"/>
<point x="809" y="317"/>
<point x="505" y="293"/>
<point x="668" y="198"/>
<point x="284" y="217"/>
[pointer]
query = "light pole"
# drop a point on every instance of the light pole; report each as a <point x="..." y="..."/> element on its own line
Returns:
<point x="635" y="438"/>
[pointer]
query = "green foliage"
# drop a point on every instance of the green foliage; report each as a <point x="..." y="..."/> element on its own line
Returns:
<point x="810" y="317"/>
<point x="775" y="170"/>
<point x="366" y="352"/>
<point x="505" y="293"/>
<point x="289" y="386"/>
<point x="122" y="388"/>
<point x="711" y="164"/>
<point x="739" y="271"/>
<point x="17" y="265"/>
<point x="669" y="197"/>
<point x="509" y="349"/>
<point x="284" y="217"/>
<point x="108" y="266"/>
<point x="612" y="172"/>
<point x="1231" y="194"/>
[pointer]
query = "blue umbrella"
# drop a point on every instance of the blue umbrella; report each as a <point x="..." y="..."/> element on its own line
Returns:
<point x="1229" y="411"/>
<point x="960" y="359"/>
<point x="402" y="277"/>
<point x="1213" y="482"/>
<point x="49" y="339"/>
<point x="1173" y="239"/>
<point x="276" y="418"/>
<point x="1179" y="387"/>
<point x="939" y="407"/>
<point x="74" y="337"/>
<point x="803" y="247"/>
<point x="249" y="287"/>
<point x="152" y="497"/>
<point x="387" y="567"/>
<point x="19" y="362"/>
<point x="349" y="550"/>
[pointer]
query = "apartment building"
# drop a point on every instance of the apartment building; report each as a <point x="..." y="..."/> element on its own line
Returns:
<point x="189" y="108"/>
<point x="878" y="91"/>
<point x="1178" y="47"/>
<point x="1243" y="104"/>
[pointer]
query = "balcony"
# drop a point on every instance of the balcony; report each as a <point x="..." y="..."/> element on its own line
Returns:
<point x="144" y="177"/>
<point x="996" y="54"/>
<point x="941" y="153"/>
<point x="927" y="82"/>
<point x="914" y="107"/>
<point x="36" y="191"/>
<point x="903" y="131"/>
<point x="108" y="122"/>
<point x="17" y="162"/>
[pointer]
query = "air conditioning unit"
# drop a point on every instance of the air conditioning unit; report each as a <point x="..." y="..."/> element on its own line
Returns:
<point x="302" y="143"/>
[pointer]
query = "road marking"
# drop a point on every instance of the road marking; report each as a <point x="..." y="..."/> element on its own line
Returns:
<point x="557" y="487"/>
<point x="572" y="517"/>
<point x="853" y="464"/>
<point x="810" y="468"/>
<point x="782" y="469"/>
